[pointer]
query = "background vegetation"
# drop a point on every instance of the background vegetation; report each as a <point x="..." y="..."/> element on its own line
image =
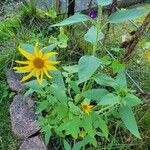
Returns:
<point x="26" y="24"/>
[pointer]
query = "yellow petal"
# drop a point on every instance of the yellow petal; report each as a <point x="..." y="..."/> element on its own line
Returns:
<point x="46" y="73"/>
<point x="50" y="54"/>
<point x="23" y="69"/>
<point x="48" y="62"/>
<point x="22" y="62"/>
<point x="36" y="49"/>
<point x="40" y="54"/>
<point x="28" y="76"/>
<point x="26" y="54"/>
<point x="37" y="76"/>
<point x="51" y="67"/>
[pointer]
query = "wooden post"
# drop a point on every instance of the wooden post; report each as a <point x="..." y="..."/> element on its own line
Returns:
<point x="71" y="7"/>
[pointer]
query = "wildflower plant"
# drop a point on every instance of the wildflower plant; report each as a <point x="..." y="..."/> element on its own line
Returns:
<point x="77" y="103"/>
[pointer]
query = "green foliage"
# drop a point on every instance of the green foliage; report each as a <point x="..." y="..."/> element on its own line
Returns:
<point x="61" y="41"/>
<point x="73" y="19"/>
<point x="127" y="116"/>
<point x="61" y="99"/>
<point x="85" y="63"/>
<point x="104" y="2"/>
<point x="90" y="36"/>
<point x="126" y="15"/>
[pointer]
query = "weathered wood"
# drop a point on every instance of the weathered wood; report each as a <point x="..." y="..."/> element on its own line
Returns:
<point x="131" y="44"/>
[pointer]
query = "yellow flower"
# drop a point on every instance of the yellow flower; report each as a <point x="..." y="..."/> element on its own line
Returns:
<point x="147" y="54"/>
<point x="37" y="64"/>
<point x="86" y="107"/>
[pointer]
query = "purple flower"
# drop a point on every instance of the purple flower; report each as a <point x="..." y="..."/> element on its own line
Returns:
<point x="92" y="14"/>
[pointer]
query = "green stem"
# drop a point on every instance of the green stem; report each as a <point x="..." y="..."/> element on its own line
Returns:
<point x="98" y="28"/>
<point x="105" y="108"/>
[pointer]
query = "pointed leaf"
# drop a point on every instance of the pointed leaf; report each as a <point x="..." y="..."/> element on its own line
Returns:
<point x="109" y="99"/>
<point x="66" y="145"/>
<point x="106" y="80"/>
<point x="132" y="100"/>
<point x="87" y="67"/>
<point x="90" y="36"/>
<point x="121" y="79"/>
<point x="128" y="118"/>
<point x="126" y="15"/>
<point x="95" y="94"/>
<point x="73" y="19"/>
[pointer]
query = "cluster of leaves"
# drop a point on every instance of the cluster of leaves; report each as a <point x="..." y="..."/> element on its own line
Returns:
<point x="61" y="108"/>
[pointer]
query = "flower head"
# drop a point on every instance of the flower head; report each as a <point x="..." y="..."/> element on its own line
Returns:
<point x="92" y="14"/>
<point x="86" y="107"/>
<point x="37" y="64"/>
<point x="147" y="54"/>
<point x="82" y="133"/>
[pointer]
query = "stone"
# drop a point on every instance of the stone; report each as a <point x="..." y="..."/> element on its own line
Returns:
<point x="13" y="80"/>
<point x="34" y="143"/>
<point x="84" y="5"/>
<point x="23" y="117"/>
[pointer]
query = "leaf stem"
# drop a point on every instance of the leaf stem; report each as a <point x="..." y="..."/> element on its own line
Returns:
<point x="98" y="27"/>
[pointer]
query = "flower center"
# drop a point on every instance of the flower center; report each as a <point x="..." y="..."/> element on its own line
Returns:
<point x="85" y="107"/>
<point x="38" y="63"/>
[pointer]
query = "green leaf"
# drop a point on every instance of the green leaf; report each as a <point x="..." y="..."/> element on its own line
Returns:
<point x="74" y="86"/>
<point x="41" y="106"/>
<point x="71" y="127"/>
<point x="132" y="100"/>
<point x="28" y="47"/>
<point x="146" y="45"/>
<point x="74" y="109"/>
<point x="35" y="85"/>
<point x="95" y="94"/>
<point x="41" y="121"/>
<point x="52" y="13"/>
<point x="126" y="15"/>
<point x="66" y="145"/>
<point x="78" y="146"/>
<point x="57" y="79"/>
<point x="49" y="48"/>
<point x="100" y="123"/>
<point x="63" y="39"/>
<point x="90" y="36"/>
<point x="109" y="99"/>
<point x="128" y="118"/>
<point x="73" y="19"/>
<point x="59" y="93"/>
<point x="48" y="133"/>
<point x="117" y="66"/>
<point x="87" y="67"/>
<point x="89" y="139"/>
<point x="62" y="110"/>
<point x="87" y="124"/>
<point x="106" y="80"/>
<point x="121" y="80"/>
<point x="28" y="92"/>
<point x="71" y="69"/>
<point x="52" y="40"/>
<point x="104" y="2"/>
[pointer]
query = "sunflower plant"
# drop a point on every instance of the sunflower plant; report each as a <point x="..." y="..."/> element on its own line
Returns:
<point x="77" y="103"/>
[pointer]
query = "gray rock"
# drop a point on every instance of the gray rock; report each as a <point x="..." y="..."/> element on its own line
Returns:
<point x="23" y="117"/>
<point x="84" y="5"/>
<point x="34" y="143"/>
<point x="13" y="80"/>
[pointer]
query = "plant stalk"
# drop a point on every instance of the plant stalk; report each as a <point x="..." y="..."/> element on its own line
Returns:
<point x="98" y="28"/>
